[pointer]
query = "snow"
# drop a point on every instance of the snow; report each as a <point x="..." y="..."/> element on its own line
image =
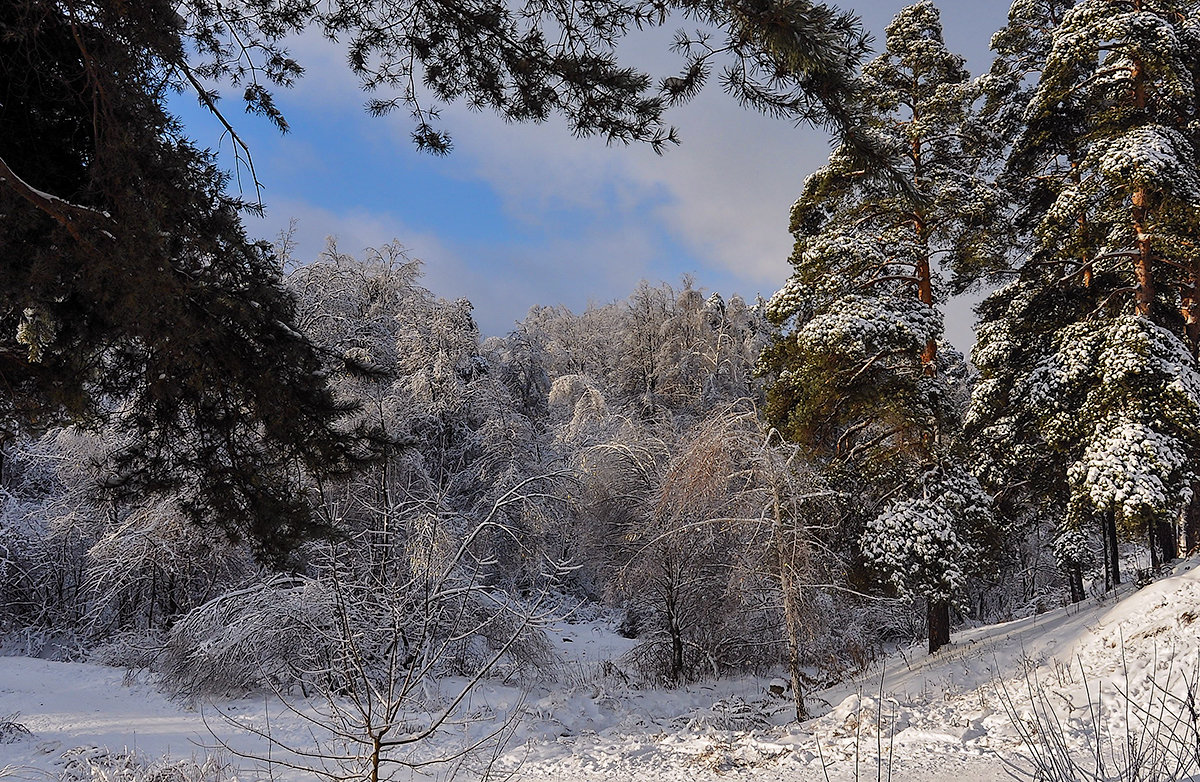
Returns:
<point x="69" y="705"/>
<point x="942" y="717"/>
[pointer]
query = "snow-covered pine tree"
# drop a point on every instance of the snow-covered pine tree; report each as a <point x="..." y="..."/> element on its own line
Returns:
<point x="1021" y="48"/>
<point x="1016" y="327"/>
<point x="856" y="366"/>
<point x="1121" y="395"/>
<point x="1017" y="322"/>
<point x="1108" y="151"/>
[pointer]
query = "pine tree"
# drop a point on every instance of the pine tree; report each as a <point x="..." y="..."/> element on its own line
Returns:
<point x="131" y="293"/>
<point x="1018" y="320"/>
<point x="858" y="374"/>
<point x="1108" y="154"/>
<point x="1126" y="70"/>
<point x="1015" y="334"/>
<point x="1140" y="184"/>
<point x="1021" y="50"/>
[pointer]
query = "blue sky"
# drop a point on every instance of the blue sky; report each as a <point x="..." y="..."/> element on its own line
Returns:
<point x="519" y="215"/>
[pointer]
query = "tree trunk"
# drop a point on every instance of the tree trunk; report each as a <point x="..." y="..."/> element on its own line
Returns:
<point x="1190" y="309"/>
<point x="153" y="597"/>
<point x="1142" y="270"/>
<point x="676" y="634"/>
<point x="1152" y="544"/>
<point x="938" y="620"/>
<point x="1075" y="576"/>
<point x="791" y="617"/>
<point x="791" y="613"/>
<point x="376" y="757"/>
<point x="924" y="271"/>
<point x="1081" y="223"/>
<point x="1141" y="214"/>
<point x="1191" y="522"/>
<point x="1168" y="541"/>
<point x="1112" y="553"/>
<point x="925" y="294"/>
<point x="676" y="655"/>
<point x="381" y="551"/>
<point x="172" y="601"/>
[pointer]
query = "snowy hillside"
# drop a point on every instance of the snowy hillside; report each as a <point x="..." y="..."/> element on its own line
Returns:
<point x="943" y="717"/>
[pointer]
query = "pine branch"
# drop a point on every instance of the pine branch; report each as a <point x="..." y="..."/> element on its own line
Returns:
<point x="70" y="216"/>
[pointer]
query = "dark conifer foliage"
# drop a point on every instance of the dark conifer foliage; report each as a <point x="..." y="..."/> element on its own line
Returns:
<point x="130" y="291"/>
<point x="1090" y="353"/>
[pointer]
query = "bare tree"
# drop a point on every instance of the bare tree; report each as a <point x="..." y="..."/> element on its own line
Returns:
<point x="726" y="561"/>
<point x="395" y="651"/>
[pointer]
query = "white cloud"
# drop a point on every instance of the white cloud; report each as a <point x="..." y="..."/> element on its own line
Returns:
<point x="724" y="194"/>
<point x="596" y="214"/>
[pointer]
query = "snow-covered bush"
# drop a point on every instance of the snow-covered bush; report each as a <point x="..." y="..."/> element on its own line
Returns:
<point x="49" y="518"/>
<point x="922" y="543"/>
<point x="847" y="634"/>
<point x="499" y="639"/>
<point x="134" y="650"/>
<point x="75" y="559"/>
<point x="84" y="764"/>
<point x="271" y="634"/>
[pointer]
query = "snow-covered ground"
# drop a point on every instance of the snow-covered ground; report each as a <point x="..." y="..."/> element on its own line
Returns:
<point x="946" y="717"/>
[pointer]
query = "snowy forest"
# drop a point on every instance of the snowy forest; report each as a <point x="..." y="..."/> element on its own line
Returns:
<point x="247" y="472"/>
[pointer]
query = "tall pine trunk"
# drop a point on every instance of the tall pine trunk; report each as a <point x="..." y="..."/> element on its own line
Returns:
<point x="1167" y="541"/>
<point x="1191" y="522"/>
<point x="1112" y="554"/>
<point x="1190" y="309"/>
<point x="1075" y="577"/>
<point x="1140" y="203"/>
<point x="1142" y="271"/>
<point x="925" y="294"/>
<point x="938" y="619"/>
<point x="1152" y="545"/>
<point x="938" y="614"/>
